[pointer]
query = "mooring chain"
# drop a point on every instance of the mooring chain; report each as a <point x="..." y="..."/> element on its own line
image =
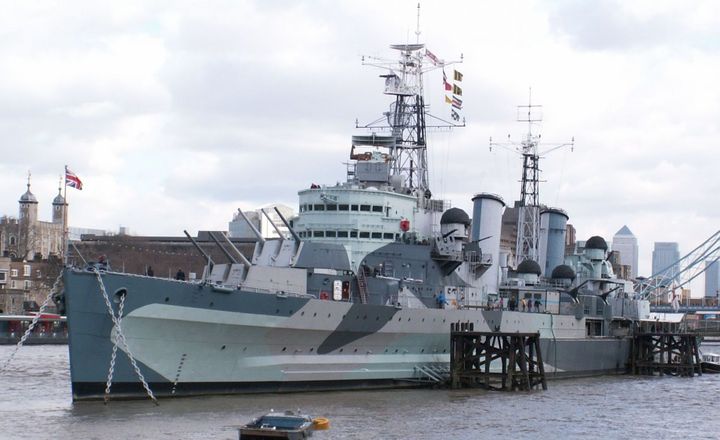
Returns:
<point x="111" y="371"/>
<point x="34" y="322"/>
<point x="121" y="338"/>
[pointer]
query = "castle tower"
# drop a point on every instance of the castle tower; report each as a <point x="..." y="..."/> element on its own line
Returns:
<point x="58" y="206"/>
<point x="27" y="223"/>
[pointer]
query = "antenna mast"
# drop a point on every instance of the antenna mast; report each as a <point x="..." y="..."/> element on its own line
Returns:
<point x="528" y="226"/>
<point x="406" y="117"/>
<point x="417" y="27"/>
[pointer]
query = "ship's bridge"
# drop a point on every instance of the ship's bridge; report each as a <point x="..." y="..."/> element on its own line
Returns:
<point x="363" y="219"/>
<point x="354" y="214"/>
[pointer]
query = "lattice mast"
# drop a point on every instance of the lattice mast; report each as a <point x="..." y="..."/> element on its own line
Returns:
<point x="529" y="212"/>
<point x="528" y="225"/>
<point x="406" y="117"/>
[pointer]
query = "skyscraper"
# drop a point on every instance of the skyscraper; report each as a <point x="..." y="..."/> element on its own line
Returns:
<point x="664" y="255"/>
<point x="712" y="279"/>
<point x="625" y="242"/>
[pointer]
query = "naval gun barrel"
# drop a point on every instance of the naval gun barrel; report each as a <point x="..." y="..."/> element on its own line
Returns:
<point x="244" y="260"/>
<point x="224" y="251"/>
<point x="287" y="225"/>
<point x="252" y="227"/>
<point x="267" y="216"/>
<point x="197" y="246"/>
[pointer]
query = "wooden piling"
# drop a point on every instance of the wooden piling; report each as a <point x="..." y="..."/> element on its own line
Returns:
<point x="517" y="360"/>
<point x="664" y="353"/>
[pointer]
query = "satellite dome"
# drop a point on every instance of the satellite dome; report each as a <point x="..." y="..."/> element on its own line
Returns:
<point x="596" y="242"/>
<point x="563" y="271"/>
<point x="455" y="215"/>
<point x="529" y="266"/>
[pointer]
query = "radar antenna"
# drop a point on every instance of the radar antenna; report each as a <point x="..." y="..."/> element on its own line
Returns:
<point x="528" y="226"/>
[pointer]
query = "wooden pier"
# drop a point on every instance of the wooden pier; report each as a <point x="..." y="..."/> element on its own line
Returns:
<point x="517" y="360"/>
<point x="665" y="353"/>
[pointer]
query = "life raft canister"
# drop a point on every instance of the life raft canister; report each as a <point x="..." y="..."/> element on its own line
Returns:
<point x="404" y="225"/>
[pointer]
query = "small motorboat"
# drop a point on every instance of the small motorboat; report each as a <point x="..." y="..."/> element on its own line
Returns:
<point x="282" y="425"/>
<point x="710" y="363"/>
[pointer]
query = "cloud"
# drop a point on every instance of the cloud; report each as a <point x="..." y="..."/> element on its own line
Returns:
<point x="636" y="26"/>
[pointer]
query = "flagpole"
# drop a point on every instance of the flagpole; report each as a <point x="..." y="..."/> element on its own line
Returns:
<point x="65" y="221"/>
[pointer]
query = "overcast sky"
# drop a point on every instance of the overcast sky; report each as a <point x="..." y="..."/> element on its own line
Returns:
<point x="176" y="113"/>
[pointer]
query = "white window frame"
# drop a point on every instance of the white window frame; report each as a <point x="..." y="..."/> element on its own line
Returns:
<point x="27" y="270"/>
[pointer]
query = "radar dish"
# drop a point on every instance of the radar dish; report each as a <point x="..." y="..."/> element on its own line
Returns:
<point x="408" y="47"/>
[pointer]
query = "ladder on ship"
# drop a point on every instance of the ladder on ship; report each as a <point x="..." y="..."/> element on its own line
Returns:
<point x="433" y="373"/>
<point x="362" y="283"/>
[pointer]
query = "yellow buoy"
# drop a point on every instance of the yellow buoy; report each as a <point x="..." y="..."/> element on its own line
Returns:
<point x="321" y="423"/>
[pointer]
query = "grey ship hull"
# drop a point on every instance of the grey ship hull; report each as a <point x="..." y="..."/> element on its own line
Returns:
<point x="194" y="339"/>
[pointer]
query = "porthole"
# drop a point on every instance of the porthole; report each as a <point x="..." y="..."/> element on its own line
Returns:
<point x="355" y="351"/>
<point x="277" y="311"/>
<point x="341" y="350"/>
<point x="302" y="313"/>
<point x="167" y="299"/>
<point x="222" y="348"/>
<point x="311" y="349"/>
<point x="284" y="348"/>
<point x="314" y="314"/>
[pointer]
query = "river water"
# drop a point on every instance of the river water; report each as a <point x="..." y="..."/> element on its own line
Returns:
<point x="35" y="403"/>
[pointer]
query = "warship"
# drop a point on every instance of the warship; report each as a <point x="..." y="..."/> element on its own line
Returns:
<point x="361" y="293"/>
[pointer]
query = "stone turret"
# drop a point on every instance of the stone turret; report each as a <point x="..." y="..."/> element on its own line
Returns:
<point x="58" y="207"/>
<point x="28" y="205"/>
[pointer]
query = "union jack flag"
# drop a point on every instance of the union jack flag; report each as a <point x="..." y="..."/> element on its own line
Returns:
<point x="72" y="180"/>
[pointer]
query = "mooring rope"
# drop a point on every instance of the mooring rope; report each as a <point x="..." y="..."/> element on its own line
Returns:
<point x="34" y="322"/>
<point x="111" y="370"/>
<point x="120" y="338"/>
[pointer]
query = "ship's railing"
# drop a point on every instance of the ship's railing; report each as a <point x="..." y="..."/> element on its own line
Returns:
<point x="703" y="326"/>
<point x="479" y="258"/>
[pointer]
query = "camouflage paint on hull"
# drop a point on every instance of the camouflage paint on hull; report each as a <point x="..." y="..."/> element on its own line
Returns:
<point x="194" y="339"/>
